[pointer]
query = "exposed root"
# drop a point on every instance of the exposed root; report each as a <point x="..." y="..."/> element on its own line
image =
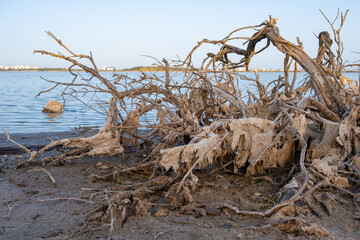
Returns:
<point x="205" y="121"/>
<point x="17" y="144"/>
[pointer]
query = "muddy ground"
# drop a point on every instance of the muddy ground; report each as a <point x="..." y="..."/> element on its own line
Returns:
<point x="33" y="207"/>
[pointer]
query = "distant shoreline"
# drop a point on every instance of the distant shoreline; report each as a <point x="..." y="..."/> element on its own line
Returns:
<point x="132" y="70"/>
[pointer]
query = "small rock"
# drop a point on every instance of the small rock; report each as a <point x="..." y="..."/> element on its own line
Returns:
<point x="239" y="236"/>
<point x="227" y="225"/>
<point x="33" y="192"/>
<point x="104" y="167"/>
<point x="53" y="107"/>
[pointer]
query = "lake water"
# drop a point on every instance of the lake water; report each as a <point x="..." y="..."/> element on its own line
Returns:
<point x="21" y="111"/>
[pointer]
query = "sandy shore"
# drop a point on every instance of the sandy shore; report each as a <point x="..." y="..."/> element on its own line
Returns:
<point x="33" y="207"/>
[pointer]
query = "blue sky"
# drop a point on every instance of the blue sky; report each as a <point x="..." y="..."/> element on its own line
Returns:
<point x="119" y="32"/>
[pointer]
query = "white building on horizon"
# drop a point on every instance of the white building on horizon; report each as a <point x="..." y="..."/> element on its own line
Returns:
<point x="109" y="68"/>
<point x="4" y="67"/>
<point x="17" y="67"/>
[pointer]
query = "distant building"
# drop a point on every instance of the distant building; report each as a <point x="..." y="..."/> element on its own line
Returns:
<point x="18" y="68"/>
<point x="259" y="69"/>
<point x="109" y="68"/>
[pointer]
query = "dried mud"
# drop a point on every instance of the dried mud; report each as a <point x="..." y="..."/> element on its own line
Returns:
<point x="32" y="207"/>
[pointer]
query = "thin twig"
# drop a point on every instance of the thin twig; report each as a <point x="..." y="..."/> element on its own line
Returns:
<point x="67" y="199"/>
<point x="111" y="216"/>
<point x="45" y="171"/>
<point x="10" y="208"/>
<point x="17" y="144"/>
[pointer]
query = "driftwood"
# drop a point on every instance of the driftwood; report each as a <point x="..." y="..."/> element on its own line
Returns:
<point x="205" y="120"/>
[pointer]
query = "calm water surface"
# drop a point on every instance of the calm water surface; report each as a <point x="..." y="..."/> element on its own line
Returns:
<point x="21" y="111"/>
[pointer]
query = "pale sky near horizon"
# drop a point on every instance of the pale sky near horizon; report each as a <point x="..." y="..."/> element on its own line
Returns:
<point x="120" y="32"/>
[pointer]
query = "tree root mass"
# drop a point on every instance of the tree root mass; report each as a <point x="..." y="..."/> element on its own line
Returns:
<point x="302" y="140"/>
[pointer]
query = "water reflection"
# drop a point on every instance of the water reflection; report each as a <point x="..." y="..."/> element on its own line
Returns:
<point x="53" y="117"/>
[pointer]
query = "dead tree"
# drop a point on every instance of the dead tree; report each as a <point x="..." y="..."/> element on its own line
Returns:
<point x="320" y="80"/>
<point x="205" y="119"/>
